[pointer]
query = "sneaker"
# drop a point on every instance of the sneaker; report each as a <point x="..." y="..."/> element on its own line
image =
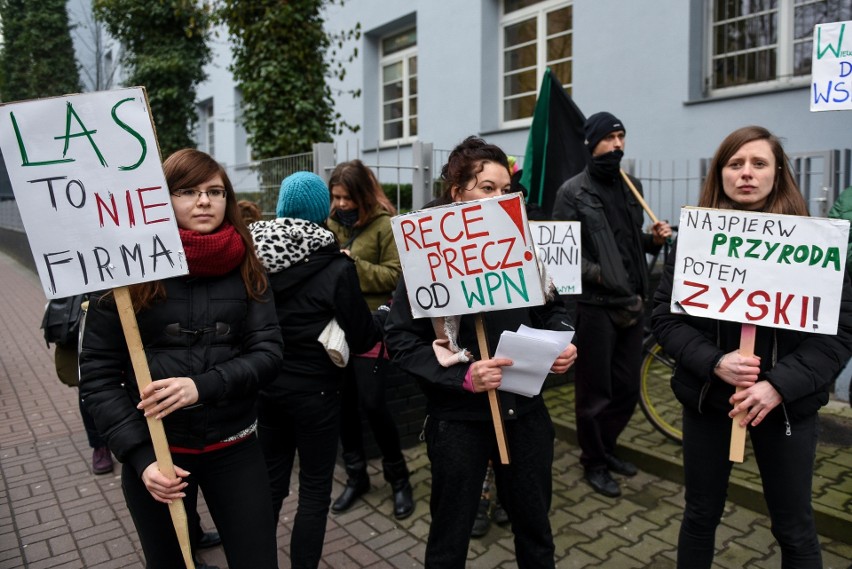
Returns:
<point x="623" y="467"/>
<point x="499" y="515"/>
<point x="102" y="461"/>
<point x="601" y="482"/>
<point x="482" y="521"/>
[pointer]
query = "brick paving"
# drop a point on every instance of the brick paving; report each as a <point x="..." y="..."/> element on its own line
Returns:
<point x="54" y="514"/>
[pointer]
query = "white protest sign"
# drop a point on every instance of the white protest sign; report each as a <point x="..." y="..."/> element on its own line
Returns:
<point x="558" y="247"/>
<point x="468" y="257"/>
<point x="831" y="67"/>
<point x="86" y="173"/>
<point x="780" y="271"/>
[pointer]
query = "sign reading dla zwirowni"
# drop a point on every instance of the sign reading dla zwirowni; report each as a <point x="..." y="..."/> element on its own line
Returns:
<point x="780" y="271"/>
<point x="831" y="67"/>
<point x="558" y="247"/>
<point x="468" y="257"/>
<point x="87" y="177"/>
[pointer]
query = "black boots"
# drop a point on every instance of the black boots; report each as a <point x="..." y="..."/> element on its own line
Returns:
<point x="396" y="473"/>
<point x="357" y="483"/>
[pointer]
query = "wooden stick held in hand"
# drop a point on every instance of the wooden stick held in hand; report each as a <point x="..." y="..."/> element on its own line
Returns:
<point x="738" y="433"/>
<point x="638" y="196"/>
<point x="155" y="426"/>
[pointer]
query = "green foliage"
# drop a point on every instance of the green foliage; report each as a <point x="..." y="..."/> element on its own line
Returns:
<point x="38" y="54"/>
<point x="280" y="65"/>
<point x="165" y="51"/>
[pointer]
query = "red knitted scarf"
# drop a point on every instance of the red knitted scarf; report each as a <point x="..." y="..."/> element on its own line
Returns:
<point x="213" y="254"/>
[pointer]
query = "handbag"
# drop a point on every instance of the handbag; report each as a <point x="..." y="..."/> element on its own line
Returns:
<point x="333" y="339"/>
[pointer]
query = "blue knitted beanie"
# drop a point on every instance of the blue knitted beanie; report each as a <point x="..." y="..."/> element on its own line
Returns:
<point x="304" y="195"/>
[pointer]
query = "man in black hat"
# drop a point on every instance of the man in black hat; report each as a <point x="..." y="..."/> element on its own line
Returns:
<point x="609" y="320"/>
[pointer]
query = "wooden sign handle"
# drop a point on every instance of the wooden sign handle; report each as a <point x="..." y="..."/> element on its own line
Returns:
<point x="155" y="426"/>
<point x="493" y="400"/>
<point x="738" y="433"/>
<point x="638" y="196"/>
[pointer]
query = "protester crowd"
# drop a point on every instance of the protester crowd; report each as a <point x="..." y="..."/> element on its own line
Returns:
<point x="285" y="329"/>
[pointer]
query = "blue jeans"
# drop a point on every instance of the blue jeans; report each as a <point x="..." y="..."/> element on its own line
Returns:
<point x="459" y="452"/>
<point x="786" y="465"/>
<point x="236" y="489"/>
<point x="307" y="423"/>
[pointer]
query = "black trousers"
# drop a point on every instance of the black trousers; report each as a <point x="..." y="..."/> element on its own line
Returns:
<point x="307" y="423"/>
<point x="606" y="378"/>
<point x="459" y="452"/>
<point x="236" y="489"/>
<point x="365" y="390"/>
<point x="786" y="465"/>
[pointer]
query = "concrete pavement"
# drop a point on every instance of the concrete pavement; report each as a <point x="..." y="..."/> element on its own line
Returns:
<point x="55" y="514"/>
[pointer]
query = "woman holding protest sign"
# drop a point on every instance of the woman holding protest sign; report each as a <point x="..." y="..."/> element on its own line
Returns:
<point x="212" y="341"/>
<point x="360" y="218"/>
<point x="780" y="388"/>
<point x="443" y="354"/>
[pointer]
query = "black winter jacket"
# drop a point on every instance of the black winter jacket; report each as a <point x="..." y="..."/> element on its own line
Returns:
<point x="803" y="368"/>
<point x="605" y="279"/>
<point x="410" y="340"/>
<point x="313" y="282"/>
<point x="207" y="329"/>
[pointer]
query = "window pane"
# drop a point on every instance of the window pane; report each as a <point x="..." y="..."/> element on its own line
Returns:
<point x="412" y="106"/>
<point x="559" y="20"/>
<point x="393" y="130"/>
<point x="412" y="127"/>
<point x="521" y="32"/>
<point x="517" y="83"/>
<point x="412" y="65"/>
<point x="519" y="108"/>
<point x="392" y="91"/>
<point x="392" y="111"/>
<point x="399" y="41"/>
<point x="510" y="6"/>
<point x="412" y="86"/>
<point x="519" y="58"/>
<point x="392" y="72"/>
<point x="559" y="47"/>
<point x="562" y="71"/>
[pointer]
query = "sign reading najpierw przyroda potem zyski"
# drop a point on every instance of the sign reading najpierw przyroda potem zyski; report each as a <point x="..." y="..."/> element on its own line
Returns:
<point x="86" y="173"/>
<point x="780" y="271"/>
<point x="468" y="257"/>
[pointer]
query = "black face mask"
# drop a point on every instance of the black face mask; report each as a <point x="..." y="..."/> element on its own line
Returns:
<point x="606" y="166"/>
<point x="347" y="218"/>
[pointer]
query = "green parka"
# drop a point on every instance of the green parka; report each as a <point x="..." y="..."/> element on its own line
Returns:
<point x="373" y="249"/>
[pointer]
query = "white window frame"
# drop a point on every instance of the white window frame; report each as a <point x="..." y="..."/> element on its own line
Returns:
<point x="210" y="128"/>
<point x="784" y="78"/>
<point x="404" y="56"/>
<point x="539" y="11"/>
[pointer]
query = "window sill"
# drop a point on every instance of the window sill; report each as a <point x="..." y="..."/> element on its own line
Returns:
<point x="749" y="91"/>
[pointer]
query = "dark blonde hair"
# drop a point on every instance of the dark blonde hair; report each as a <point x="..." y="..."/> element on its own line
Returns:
<point x="467" y="160"/>
<point x="785" y="197"/>
<point x="249" y="211"/>
<point x="363" y="187"/>
<point x="188" y="168"/>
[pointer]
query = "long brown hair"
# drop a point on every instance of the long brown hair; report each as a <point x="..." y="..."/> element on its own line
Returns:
<point x="785" y="196"/>
<point x="188" y="168"/>
<point x="363" y="187"/>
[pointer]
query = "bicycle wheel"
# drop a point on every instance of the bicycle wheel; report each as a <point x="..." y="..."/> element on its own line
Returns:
<point x="656" y="399"/>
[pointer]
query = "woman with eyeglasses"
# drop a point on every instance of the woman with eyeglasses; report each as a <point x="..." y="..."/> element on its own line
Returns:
<point x="212" y="340"/>
<point x="458" y="430"/>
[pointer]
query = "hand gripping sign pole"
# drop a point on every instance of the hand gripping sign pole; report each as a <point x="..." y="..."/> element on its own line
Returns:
<point x="493" y="400"/>
<point x="738" y="433"/>
<point x="155" y="426"/>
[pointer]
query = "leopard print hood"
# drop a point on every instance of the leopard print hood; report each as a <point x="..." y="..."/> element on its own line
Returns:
<point x="285" y="241"/>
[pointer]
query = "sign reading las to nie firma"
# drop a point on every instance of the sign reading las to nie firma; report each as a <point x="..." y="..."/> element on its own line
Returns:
<point x="90" y="187"/>
<point x="831" y="67"/>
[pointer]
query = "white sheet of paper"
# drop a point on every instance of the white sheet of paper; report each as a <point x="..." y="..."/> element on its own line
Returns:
<point x="533" y="355"/>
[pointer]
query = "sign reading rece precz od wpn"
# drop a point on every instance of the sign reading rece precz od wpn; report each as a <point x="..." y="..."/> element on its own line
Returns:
<point x="86" y="173"/>
<point x="468" y="257"/>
